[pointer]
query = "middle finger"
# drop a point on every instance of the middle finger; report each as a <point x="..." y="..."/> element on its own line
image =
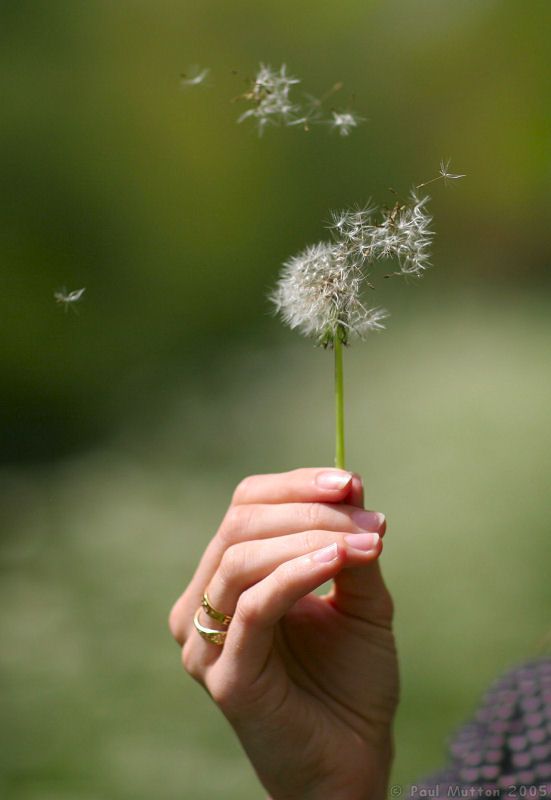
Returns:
<point x="247" y="522"/>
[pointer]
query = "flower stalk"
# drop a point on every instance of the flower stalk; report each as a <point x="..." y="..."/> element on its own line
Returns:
<point x="340" y="455"/>
<point x="322" y="290"/>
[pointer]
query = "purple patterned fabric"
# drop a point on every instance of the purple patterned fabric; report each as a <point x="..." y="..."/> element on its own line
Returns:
<point x="505" y="751"/>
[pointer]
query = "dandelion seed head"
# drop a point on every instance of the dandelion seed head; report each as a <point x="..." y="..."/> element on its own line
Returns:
<point x="319" y="292"/>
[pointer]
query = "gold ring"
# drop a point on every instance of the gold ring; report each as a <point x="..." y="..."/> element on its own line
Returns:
<point x="209" y="634"/>
<point x="219" y="616"/>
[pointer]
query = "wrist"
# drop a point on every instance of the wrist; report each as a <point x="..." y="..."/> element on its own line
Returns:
<point x="371" y="785"/>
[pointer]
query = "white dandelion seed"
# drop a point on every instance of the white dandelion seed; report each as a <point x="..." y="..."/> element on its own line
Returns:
<point x="404" y="234"/>
<point x="311" y="110"/>
<point x="446" y="174"/>
<point x="443" y="174"/>
<point x="353" y="228"/>
<point x="310" y="113"/>
<point x="373" y="320"/>
<point x="270" y="95"/>
<point x="195" y="76"/>
<point x="272" y="102"/>
<point x="67" y="299"/>
<point x="344" y="122"/>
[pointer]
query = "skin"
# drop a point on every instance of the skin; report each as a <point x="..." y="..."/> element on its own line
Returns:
<point x="309" y="683"/>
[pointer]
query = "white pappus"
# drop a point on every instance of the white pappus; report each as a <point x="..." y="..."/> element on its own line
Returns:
<point x="272" y="103"/>
<point x="68" y="299"/>
<point x="344" y="122"/>
<point x="195" y="76"/>
<point x="270" y="96"/>
<point x="320" y="292"/>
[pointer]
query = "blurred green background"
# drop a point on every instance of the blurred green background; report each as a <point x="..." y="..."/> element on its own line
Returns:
<point x="125" y="428"/>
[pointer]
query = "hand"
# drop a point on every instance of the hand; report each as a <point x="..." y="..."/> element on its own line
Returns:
<point x="309" y="683"/>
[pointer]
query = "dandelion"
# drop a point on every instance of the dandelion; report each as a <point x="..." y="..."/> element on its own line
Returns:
<point x="319" y="293"/>
<point x="194" y="77"/>
<point x="68" y="299"/>
<point x="321" y="290"/>
<point x="344" y="122"/>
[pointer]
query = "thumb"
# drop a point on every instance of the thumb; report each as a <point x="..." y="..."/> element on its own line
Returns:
<point x="361" y="591"/>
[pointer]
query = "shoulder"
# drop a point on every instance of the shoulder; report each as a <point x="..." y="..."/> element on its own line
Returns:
<point x="507" y="743"/>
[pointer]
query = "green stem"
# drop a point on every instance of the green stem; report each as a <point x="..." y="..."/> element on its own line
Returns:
<point x="339" y="401"/>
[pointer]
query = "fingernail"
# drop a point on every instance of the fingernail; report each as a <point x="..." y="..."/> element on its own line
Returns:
<point x="368" y="520"/>
<point x="326" y="553"/>
<point x="333" y="479"/>
<point x="362" y="541"/>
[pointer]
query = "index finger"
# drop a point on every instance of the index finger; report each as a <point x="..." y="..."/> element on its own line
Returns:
<point x="309" y="485"/>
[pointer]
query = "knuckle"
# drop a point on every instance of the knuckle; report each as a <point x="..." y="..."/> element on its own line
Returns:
<point x="190" y="660"/>
<point x="231" y="564"/>
<point x="313" y="540"/>
<point x="175" y="624"/>
<point x="230" y="524"/>
<point x="236" y="524"/>
<point x="243" y="489"/>
<point x="223" y="693"/>
<point x="248" y="609"/>
<point x="315" y="515"/>
<point x="236" y="698"/>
